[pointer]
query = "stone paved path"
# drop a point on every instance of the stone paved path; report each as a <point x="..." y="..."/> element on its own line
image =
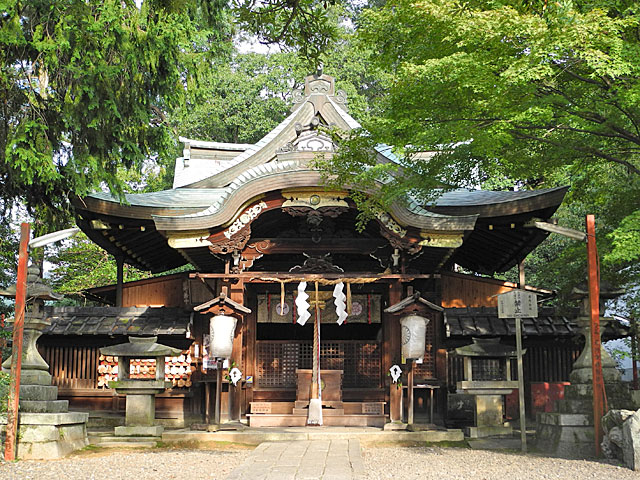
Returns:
<point x="303" y="460"/>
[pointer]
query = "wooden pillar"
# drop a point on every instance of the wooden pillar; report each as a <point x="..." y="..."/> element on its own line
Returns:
<point x="235" y="393"/>
<point x="410" y="392"/>
<point x="119" y="279"/>
<point x="249" y="351"/>
<point x="392" y="351"/>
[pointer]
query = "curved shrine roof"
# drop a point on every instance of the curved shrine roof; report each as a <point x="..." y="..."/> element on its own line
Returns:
<point x="215" y="182"/>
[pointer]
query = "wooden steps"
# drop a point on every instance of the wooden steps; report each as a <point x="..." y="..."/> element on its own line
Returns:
<point x="294" y="414"/>
<point x="292" y="420"/>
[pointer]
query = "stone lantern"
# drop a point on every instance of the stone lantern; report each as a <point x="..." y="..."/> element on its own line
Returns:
<point x="46" y="427"/>
<point x="140" y="407"/>
<point x="487" y="376"/>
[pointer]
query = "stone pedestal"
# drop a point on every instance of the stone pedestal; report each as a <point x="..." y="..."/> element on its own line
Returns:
<point x="489" y="416"/>
<point x="46" y="429"/>
<point x="141" y="393"/>
<point x="140" y="410"/>
<point x="488" y="394"/>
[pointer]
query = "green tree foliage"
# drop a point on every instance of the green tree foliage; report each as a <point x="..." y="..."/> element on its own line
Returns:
<point x="85" y="86"/>
<point x="237" y="100"/>
<point x="83" y="264"/>
<point x="545" y="93"/>
<point x="307" y="26"/>
<point x="8" y="259"/>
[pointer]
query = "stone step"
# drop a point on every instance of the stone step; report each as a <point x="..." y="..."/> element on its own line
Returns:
<point x="44" y="406"/>
<point x="98" y="420"/>
<point x="365" y="434"/>
<point x="137" y="444"/>
<point x="325" y="411"/>
<point x="113" y="441"/>
<point x="99" y="440"/>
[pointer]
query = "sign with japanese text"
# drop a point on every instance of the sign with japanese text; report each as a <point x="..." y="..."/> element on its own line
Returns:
<point x="517" y="304"/>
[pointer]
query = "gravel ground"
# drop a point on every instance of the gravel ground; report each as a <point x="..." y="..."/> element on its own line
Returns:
<point x="398" y="463"/>
<point x="426" y="463"/>
<point x="109" y="464"/>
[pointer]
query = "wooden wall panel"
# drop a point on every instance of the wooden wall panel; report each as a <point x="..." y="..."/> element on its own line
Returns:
<point x="460" y="291"/>
<point x="162" y="292"/>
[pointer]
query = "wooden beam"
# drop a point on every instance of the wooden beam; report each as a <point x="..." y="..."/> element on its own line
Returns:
<point x="334" y="245"/>
<point x="567" y="232"/>
<point x="271" y="277"/>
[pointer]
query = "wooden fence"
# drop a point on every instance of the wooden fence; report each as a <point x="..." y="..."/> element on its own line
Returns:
<point x="72" y="367"/>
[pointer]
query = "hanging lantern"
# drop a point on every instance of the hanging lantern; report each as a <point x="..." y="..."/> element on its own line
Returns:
<point x="222" y="329"/>
<point x="414" y="331"/>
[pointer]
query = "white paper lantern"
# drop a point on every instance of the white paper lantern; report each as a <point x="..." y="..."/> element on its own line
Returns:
<point x="414" y="331"/>
<point x="222" y="329"/>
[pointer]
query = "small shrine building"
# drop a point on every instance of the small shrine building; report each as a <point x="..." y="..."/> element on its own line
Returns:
<point x="254" y="221"/>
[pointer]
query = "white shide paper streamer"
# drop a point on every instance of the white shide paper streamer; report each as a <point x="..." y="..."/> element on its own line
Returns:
<point x="339" y="300"/>
<point x="302" y="305"/>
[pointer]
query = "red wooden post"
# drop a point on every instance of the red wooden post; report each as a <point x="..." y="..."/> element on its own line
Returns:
<point x="16" y="352"/>
<point x="596" y="360"/>
<point x="634" y="353"/>
<point x="2" y="340"/>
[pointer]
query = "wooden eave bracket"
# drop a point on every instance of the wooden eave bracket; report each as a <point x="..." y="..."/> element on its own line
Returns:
<point x="553" y="228"/>
<point x="410" y="300"/>
<point x="222" y="299"/>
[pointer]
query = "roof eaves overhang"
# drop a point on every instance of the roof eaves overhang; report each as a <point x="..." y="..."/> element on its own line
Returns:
<point x="536" y="200"/>
<point x="258" y="181"/>
<point x="117" y="209"/>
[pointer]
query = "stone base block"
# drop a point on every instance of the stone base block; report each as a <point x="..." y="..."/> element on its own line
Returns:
<point x="488" y="431"/>
<point x="565" y="419"/>
<point x="566" y="435"/>
<point x="154" y="431"/>
<point x="46" y="436"/>
<point x="35" y="377"/>
<point x="38" y="392"/>
<point x="44" y="406"/>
